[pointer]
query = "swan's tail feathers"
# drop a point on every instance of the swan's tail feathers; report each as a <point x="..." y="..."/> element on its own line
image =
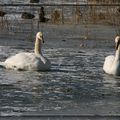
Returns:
<point x="2" y="65"/>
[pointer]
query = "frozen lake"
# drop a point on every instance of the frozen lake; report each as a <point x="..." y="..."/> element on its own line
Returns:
<point x="76" y="84"/>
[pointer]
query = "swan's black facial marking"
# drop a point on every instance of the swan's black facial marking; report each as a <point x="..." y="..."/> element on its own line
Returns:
<point x="43" y="39"/>
<point x="118" y="43"/>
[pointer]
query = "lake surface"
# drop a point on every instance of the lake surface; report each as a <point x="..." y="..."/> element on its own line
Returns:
<point x="76" y="85"/>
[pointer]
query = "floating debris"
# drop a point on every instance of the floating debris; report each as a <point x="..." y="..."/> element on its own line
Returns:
<point x="26" y="15"/>
<point x="34" y="1"/>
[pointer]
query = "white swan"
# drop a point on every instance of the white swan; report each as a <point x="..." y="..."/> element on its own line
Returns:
<point x="112" y="63"/>
<point x="29" y="61"/>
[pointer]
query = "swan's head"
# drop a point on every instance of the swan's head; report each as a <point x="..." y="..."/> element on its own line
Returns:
<point x="117" y="42"/>
<point x="39" y="36"/>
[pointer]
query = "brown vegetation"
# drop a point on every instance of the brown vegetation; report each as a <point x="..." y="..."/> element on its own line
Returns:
<point x="55" y="17"/>
<point x="103" y="1"/>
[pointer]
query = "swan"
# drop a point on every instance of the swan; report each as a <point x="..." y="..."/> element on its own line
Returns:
<point x="29" y="61"/>
<point x="112" y="63"/>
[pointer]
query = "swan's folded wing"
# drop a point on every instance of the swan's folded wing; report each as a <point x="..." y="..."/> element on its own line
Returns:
<point x="108" y="63"/>
<point x="19" y="61"/>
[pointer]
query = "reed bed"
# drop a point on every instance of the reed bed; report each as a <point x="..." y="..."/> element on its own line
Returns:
<point x="28" y="19"/>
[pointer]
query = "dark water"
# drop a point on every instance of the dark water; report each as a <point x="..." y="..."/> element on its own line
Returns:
<point x="76" y="83"/>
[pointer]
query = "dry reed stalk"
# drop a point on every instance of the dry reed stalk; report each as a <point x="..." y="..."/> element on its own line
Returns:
<point x="55" y="17"/>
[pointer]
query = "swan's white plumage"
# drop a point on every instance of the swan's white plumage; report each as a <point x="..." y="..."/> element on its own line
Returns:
<point x="29" y="61"/>
<point x="108" y="63"/>
<point x="112" y="62"/>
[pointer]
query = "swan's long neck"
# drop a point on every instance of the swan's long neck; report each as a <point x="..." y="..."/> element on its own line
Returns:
<point x="117" y="56"/>
<point x="37" y="49"/>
